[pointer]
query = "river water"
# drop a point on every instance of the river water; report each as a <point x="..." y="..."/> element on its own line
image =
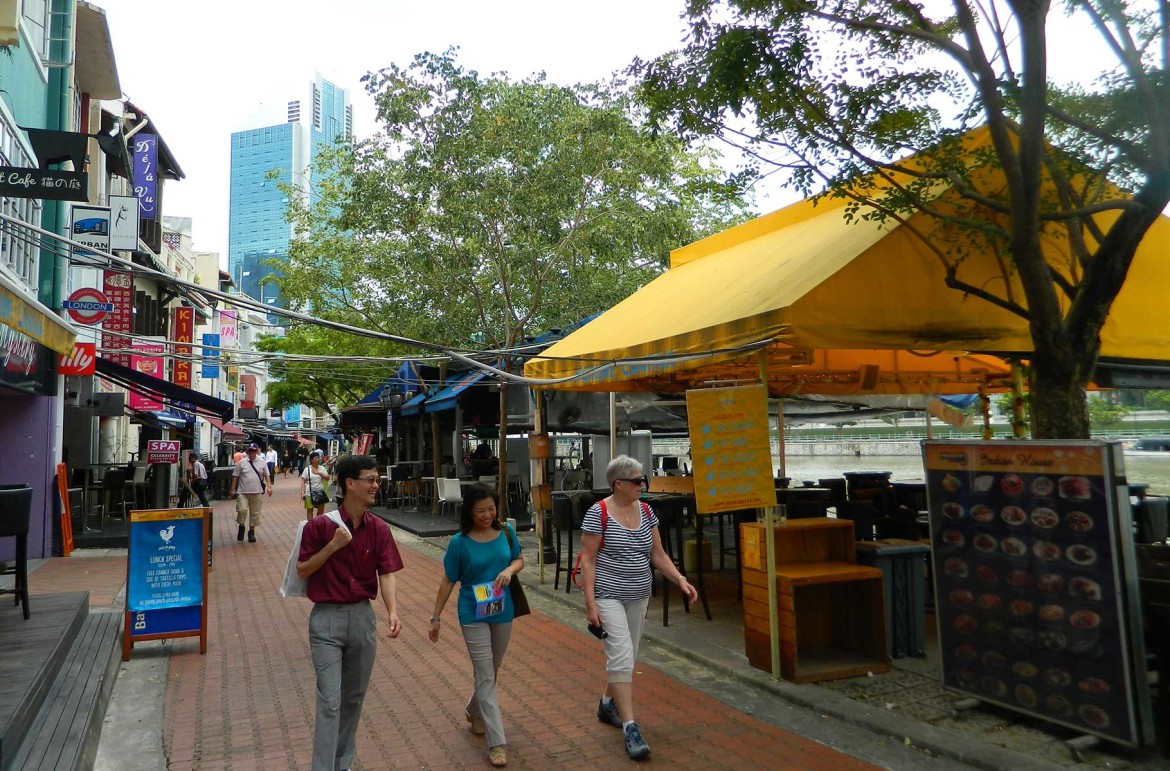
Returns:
<point x="1153" y="470"/>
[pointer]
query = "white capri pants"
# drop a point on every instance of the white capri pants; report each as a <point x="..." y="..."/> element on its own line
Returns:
<point x="623" y="621"/>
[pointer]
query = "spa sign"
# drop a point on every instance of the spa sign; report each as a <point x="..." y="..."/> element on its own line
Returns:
<point x="730" y="448"/>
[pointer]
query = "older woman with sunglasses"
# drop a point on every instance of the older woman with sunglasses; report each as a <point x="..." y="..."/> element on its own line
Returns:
<point x="620" y="545"/>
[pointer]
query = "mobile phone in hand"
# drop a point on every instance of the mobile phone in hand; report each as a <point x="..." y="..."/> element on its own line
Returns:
<point x="598" y="631"/>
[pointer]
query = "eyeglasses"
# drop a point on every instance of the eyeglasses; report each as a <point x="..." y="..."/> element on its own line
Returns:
<point x="367" y="480"/>
<point x="641" y="481"/>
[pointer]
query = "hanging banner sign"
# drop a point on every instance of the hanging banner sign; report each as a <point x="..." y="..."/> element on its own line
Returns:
<point x="730" y="447"/>
<point x="153" y="365"/>
<point x="124" y="223"/>
<point x="227" y="328"/>
<point x="119" y="288"/>
<point x="145" y="160"/>
<point x="81" y="361"/>
<point x="210" y="356"/>
<point x="166" y="590"/>
<point x="162" y="451"/>
<point x="22" y="182"/>
<point x="183" y="332"/>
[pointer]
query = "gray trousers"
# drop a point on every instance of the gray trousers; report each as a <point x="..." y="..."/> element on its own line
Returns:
<point x="342" y="641"/>
<point x="486" y="644"/>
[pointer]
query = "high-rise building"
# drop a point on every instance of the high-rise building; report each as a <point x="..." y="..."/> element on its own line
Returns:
<point x="262" y="159"/>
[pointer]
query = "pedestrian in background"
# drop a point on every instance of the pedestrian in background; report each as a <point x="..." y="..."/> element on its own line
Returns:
<point x="197" y="477"/>
<point x="272" y="459"/>
<point x="620" y="545"/>
<point x="482" y="558"/>
<point x="346" y="567"/>
<point x="315" y="487"/>
<point x="250" y="481"/>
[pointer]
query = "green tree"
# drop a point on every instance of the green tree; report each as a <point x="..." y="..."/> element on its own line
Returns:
<point x="1104" y="413"/>
<point x="1158" y="400"/>
<point x="836" y="91"/>
<point x="486" y="208"/>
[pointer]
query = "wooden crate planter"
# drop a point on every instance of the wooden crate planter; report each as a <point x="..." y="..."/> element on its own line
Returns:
<point x="831" y="610"/>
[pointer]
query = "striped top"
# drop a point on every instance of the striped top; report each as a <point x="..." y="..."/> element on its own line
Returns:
<point x="623" y="561"/>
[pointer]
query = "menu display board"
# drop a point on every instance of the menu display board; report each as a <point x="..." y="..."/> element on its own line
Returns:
<point x="1033" y="608"/>
<point x="730" y="448"/>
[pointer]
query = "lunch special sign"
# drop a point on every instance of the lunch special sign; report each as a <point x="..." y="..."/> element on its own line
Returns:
<point x="1032" y="605"/>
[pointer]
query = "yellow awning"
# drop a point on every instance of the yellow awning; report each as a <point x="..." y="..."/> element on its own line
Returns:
<point x="807" y="278"/>
<point x="27" y="316"/>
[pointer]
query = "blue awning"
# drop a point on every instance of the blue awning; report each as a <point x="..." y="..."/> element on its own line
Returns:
<point x="448" y="397"/>
<point x="403" y="381"/>
<point x="414" y="404"/>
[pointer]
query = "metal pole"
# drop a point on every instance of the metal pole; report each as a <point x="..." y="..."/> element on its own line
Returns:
<point x="613" y="453"/>
<point x="769" y="531"/>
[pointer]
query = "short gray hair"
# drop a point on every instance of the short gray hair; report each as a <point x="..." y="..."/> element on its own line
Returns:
<point x="622" y="467"/>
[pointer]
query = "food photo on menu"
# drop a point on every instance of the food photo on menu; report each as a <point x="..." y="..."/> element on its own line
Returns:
<point x="1028" y="616"/>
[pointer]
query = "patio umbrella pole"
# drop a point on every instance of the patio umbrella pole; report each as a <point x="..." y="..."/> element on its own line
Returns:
<point x="770" y="529"/>
<point x="613" y="453"/>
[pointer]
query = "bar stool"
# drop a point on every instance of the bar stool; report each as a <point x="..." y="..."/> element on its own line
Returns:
<point x="15" y="506"/>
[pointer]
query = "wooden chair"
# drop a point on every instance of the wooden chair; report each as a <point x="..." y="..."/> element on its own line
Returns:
<point x="15" y="507"/>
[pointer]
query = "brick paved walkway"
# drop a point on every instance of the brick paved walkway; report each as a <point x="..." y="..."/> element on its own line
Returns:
<point x="248" y="703"/>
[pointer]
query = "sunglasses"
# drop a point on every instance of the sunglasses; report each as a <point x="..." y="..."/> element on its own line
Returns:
<point x="642" y="481"/>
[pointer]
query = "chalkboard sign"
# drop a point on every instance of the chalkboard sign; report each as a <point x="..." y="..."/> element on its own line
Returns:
<point x="166" y="571"/>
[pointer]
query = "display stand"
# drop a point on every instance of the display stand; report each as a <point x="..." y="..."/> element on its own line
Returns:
<point x="831" y="610"/>
<point x="166" y="565"/>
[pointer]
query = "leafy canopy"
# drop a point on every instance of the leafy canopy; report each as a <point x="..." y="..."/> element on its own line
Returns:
<point x="840" y="92"/>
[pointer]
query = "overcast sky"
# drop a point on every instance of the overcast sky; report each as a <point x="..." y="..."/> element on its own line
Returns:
<point x="203" y="69"/>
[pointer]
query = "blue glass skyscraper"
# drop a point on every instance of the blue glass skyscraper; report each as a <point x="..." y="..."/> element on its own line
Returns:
<point x="262" y="159"/>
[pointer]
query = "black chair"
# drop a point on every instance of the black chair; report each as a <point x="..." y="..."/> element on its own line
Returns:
<point x="1150" y="518"/>
<point x="567" y="514"/>
<point x="113" y="486"/>
<point x="837" y="485"/>
<point x="901" y="522"/>
<point x="861" y="514"/>
<point x="15" y="508"/>
<point x="799" y="509"/>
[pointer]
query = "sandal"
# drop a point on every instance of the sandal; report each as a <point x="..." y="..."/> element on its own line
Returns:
<point x="497" y="756"/>
<point x="476" y="723"/>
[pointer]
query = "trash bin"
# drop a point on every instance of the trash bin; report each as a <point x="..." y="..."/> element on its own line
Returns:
<point x="903" y="566"/>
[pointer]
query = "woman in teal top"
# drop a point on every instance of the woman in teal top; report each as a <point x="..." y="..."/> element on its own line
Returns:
<point x="482" y="558"/>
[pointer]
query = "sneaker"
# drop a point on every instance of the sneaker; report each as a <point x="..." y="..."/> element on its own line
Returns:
<point x="636" y="746"/>
<point x="607" y="712"/>
<point x="240" y="533"/>
<point x="251" y="535"/>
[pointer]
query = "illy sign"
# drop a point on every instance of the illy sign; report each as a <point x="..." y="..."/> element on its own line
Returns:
<point x="82" y="360"/>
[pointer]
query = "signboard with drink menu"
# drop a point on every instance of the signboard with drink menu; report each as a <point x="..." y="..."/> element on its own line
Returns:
<point x="1033" y="552"/>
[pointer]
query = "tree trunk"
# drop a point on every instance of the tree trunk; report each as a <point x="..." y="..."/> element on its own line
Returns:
<point x="1059" y="409"/>
<point x="502" y="476"/>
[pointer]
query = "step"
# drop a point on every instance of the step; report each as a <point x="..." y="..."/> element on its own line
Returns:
<point x="64" y="734"/>
<point x="32" y="653"/>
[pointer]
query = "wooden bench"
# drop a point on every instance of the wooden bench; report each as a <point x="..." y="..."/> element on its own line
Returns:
<point x="832" y="621"/>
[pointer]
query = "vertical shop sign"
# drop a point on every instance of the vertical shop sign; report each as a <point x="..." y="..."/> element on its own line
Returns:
<point x="148" y="360"/>
<point x="118" y="288"/>
<point x="146" y="175"/>
<point x="210" y="356"/>
<point x="227" y="329"/>
<point x="183" y="326"/>
<point x="123" y="223"/>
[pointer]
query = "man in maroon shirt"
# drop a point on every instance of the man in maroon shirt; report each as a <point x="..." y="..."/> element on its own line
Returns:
<point x="346" y="567"/>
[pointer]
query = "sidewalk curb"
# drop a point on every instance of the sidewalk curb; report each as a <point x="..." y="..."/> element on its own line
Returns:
<point x="923" y="736"/>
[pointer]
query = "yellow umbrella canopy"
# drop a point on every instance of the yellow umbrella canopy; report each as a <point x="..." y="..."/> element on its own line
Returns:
<point x="805" y="281"/>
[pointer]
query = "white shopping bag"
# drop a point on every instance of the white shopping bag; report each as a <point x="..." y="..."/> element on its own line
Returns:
<point x="294" y="585"/>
